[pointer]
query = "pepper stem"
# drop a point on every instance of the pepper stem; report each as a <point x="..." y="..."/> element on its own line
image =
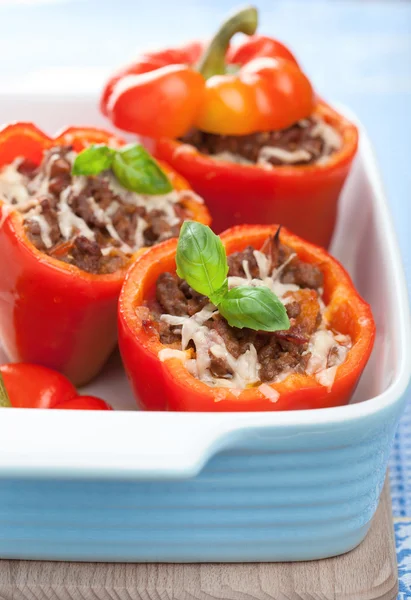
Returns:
<point x="212" y="61"/>
<point x="4" y="397"/>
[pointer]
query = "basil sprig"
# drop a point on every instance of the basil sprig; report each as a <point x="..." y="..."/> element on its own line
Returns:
<point x="202" y="261"/>
<point x="133" y="166"/>
<point x="93" y="160"/>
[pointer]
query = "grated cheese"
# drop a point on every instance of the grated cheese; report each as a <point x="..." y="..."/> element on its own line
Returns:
<point x="13" y="185"/>
<point x="68" y="221"/>
<point x="20" y="192"/>
<point x="246" y="269"/>
<point x="231" y="157"/>
<point x="167" y="353"/>
<point x="286" y="156"/>
<point x="326" y="377"/>
<point x="324" y="346"/>
<point x="45" y="230"/>
<point x="263" y="263"/>
<point x="269" y="392"/>
<point x="331" y="138"/>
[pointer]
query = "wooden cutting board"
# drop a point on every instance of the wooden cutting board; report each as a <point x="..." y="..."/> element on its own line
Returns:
<point x="367" y="573"/>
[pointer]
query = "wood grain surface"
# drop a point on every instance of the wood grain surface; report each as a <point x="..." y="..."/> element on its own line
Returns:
<point x="367" y="573"/>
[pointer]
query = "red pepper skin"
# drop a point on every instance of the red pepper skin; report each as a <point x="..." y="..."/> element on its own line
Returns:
<point x="302" y="198"/>
<point x="83" y="403"/>
<point x="168" y="385"/>
<point x="163" y="95"/>
<point x="165" y="101"/>
<point x="34" y="386"/>
<point x="258" y="46"/>
<point x="187" y="54"/>
<point x="52" y="313"/>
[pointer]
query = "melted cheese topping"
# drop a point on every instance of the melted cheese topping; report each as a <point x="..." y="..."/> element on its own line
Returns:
<point x="269" y="392"/>
<point x="45" y="229"/>
<point x="12" y="185"/>
<point x="331" y="138"/>
<point x="327" y="349"/>
<point x="231" y="157"/>
<point x="21" y="193"/>
<point x="286" y="156"/>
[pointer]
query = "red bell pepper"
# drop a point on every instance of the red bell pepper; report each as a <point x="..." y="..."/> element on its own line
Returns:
<point x="160" y="96"/>
<point x="303" y="198"/>
<point x="53" y="313"/>
<point x="168" y="92"/>
<point x="23" y="385"/>
<point x="168" y="385"/>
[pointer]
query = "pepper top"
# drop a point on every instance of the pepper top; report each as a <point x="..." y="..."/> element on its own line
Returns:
<point x="255" y="86"/>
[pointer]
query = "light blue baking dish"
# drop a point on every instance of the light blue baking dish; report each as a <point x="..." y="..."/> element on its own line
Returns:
<point x="130" y="486"/>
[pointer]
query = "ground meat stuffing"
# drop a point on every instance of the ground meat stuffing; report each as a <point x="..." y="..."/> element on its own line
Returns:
<point x="90" y="222"/>
<point x="275" y="354"/>
<point x="306" y="142"/>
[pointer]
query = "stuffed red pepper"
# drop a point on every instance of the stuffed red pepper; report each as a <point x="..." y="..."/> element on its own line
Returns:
<point x="242" y="124"/>
<point x="257" y="319"/>
<point x="74" y="211"/>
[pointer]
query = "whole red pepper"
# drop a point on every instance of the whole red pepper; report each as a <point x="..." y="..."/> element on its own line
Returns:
<point x="168" y="385"/>
<point x="53" y="313"/>
<point x="24" y="385"/>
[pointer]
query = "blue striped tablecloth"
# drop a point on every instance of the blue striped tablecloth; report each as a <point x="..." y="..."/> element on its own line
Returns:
<point x="400" y="478"/>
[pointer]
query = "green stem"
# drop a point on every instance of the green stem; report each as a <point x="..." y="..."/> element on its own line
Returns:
<point x="212" y="61"/>
<point x="4" y="397"/>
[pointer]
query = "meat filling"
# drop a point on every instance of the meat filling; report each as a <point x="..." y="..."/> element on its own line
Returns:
<point x="90" y="222"/>
<point x="307" y="142"/>
<point x="227" y="356"/>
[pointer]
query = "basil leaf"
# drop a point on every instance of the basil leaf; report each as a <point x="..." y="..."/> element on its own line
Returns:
<point x="217" y="296"/>
<point x="93" y="160"/>
<point x="137" y="171"/>
<point x="254" y="307"/>
<point x="201" y="260"/>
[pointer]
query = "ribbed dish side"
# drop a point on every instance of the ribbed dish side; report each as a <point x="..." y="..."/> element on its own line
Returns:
<point x="266" y="504"/>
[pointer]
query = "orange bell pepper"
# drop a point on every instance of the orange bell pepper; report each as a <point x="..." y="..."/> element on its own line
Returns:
<point x="166" y="93"/>
<point x="53" y="313"/>
<point x="168" y="385"/>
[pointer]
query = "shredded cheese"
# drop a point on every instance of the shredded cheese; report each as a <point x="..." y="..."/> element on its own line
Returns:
<point x="263" y="263"/>
<point x="17" y="190"/>
<point x="231" y="157"/>
<point x="13" y="185"/>
<point x="326" y="350"/>
<point x="331" y="138"/>
<point x="45" y="229"/>
<point x="286" y="156"/>
<point x="167" y="353"/>
<point x="269" y="392"/>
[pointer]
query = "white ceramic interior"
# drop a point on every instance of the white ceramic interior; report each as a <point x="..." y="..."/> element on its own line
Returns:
<point x="124" y="444"/>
